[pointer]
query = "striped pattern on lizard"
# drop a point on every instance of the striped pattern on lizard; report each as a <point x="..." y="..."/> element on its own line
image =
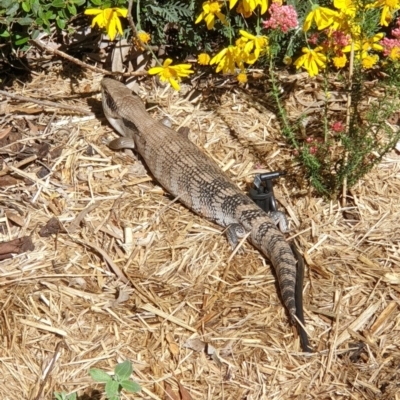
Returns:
<point x="186" y="172"/>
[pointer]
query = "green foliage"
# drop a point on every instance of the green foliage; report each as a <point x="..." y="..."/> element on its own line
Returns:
<point x="120" y="380"/>
<point x="64" y="396"/>
<point x="171" y="22"/>
<point x="344" y="158"/>
<point x="20" y="21"/>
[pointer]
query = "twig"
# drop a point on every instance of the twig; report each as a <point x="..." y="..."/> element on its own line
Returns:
<point x="45" y="103"/>
<point x="49" y="369"/>
<point x="117" y="271"/>
<point x="48" y="49"/>
<point x="6" y="170"/>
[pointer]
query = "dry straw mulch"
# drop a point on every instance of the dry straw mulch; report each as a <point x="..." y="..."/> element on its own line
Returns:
<point x="64" y="310"/>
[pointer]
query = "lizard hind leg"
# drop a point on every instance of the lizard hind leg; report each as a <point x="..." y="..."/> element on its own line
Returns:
<point x="235" y="232"/>
<point x="280" y="220"/>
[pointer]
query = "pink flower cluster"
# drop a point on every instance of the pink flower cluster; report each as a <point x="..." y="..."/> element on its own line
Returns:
<point x="340" y="39"/>
<point x="282" y="17"/>
<point x="390" y="44"/>
<point x="338" y="127"/>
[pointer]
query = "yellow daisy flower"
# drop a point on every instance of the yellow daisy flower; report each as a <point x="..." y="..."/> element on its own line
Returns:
<point x="388" y="9"/>
<point x="171" y="74"/>
<point x="322" y="16"/>
<point x="109" y="19"/>
<point x="250" y="43"/>
<point x="347" y="7"/>
<point x="312" y="60"/>
<point x="368" y="44"/>
<point x="226" y="59"/>
<point x="211" y="9"/>
<point x="246" y="7"/>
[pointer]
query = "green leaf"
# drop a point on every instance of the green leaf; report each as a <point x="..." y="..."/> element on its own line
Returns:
<point x="49" y="15"/>
<point x="112" y="389"/>
<point x="5" y="34"/>
<point x="79" y="2"/>
<point x="96" y="2"/>
<point x="99" y="375"/>
<point x="35" y="34"/>
<point x="62" y="14"/>
<point x="72" y="9"/>
<point x="61" y="23"/>
<point x="123" y="371"/>
<point x="25" y="21"/>
<point x="58" y="3"/>
<point x="130" y="386"/>
<point x="5" y="3"/>
<point x="13" y="9"/>
<point x="35" y="6"/>
<point x="21" y="41"/>
<point x="26" y="6"/>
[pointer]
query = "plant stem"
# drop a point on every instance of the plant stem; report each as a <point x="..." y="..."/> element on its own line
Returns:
<point x="348" y="117"/>
<point x="275" y="92"/>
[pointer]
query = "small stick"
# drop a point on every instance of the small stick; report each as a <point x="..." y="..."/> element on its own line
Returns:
<point x="6" y="170"/>
<point x="48" y="49"/>
<point x="49" y="369"/>
<point x="45" y="103"/>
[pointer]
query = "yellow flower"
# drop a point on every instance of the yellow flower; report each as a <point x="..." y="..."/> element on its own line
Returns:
<point x="367" y="44"/>
<point x="248" y="43"/>
<point x="312" y="60"/>
<point x="246" y="7"/>
<point x="369" y="61"/>
<point x="144" y="36"/>
<point x="340" y="61"/>
<point x="211" y="8"/>
<point x="171" y="74"/>
<point x="372" y="43"/>
<point x="109" y="19"/>
<point x="242" y="77"/>
<point x="226" y="59"/>
<point x="203" y="59"/>
<point x="347" y="7"/>
<point x="322" y="16"/>
<point x="395" y="54"/>
<point x="388" y="8"/>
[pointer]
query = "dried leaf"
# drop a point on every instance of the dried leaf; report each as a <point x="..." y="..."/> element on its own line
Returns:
<point x="15" y="217"/>
<point x="195" y="344"/>
<point x="4" y="132"/>
<point x="52" y="227"/>
<point x="169" y="393"/>
<point x="185" y="395"/>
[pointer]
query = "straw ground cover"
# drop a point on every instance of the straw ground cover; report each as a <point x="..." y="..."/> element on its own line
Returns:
<point x="63" y="309"/>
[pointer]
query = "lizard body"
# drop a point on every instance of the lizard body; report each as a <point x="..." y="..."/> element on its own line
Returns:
<point x="186" y="172"/>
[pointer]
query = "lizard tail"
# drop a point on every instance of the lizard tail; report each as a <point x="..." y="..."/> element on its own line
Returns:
<point x="274" y="246"/>
<point x="284" y="263"/>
